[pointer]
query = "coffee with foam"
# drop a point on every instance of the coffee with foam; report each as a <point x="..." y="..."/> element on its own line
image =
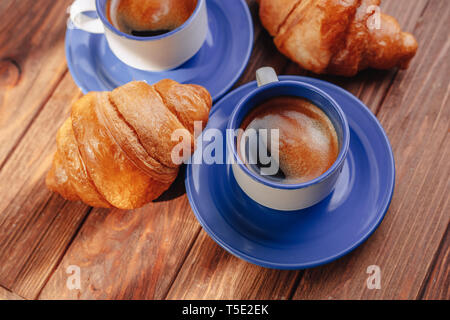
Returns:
<point x="149" y="17"/>
<point x="308" y="143"/>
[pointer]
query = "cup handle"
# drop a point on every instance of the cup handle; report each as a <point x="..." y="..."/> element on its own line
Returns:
<point x="265" y="76"/>
<point x="82" y="21"/>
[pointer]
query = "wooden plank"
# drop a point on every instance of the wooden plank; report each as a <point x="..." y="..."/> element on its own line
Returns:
<point x="219" y="275"/>
<point x="8" y="295"/>
<point x="416" y="116"/>
<point x="32" y="63"/>
<point x="438" y="282"/>
<point x="33" y="231"/>
<point x="129" y="255"/>
<point x="195" y="280"/>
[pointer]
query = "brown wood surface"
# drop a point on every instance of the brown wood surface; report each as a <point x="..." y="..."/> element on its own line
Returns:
<point x="32" y="64"/>
<point x="8" y="295"/>
<point x="160" y="251"/>
<point x="438" y="282"/>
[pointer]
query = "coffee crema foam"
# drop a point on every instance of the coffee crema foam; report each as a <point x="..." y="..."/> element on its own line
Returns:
<point x="308" y="142"/>
<point x="149" y="17"/>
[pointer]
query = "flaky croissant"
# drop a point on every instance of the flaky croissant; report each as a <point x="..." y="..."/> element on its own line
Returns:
<point x="338" y="37"/>
<point x="115" y="149"/>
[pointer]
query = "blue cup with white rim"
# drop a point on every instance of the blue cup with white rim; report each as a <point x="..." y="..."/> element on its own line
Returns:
<point x="154" y="53"/>
<point x="270" y="193"/>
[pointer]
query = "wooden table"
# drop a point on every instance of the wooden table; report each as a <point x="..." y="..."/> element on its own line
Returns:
<point x="160" y="251"/>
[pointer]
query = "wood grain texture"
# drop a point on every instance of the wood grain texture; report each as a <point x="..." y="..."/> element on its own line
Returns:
<point x="8" y="295"/>
<point x="438" y="282"/>
<point x="32" y="63"/>
<point x="129" y="255"/>
<point x="415" y="115"/>
<point x="212" y="273"/>
<point x="36" y="225"/>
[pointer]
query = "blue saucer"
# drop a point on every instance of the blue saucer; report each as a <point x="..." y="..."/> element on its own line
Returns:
<point x="313" y="236"/>
<point x="217" y="66"/>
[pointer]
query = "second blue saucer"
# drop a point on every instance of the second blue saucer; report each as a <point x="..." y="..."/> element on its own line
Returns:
<point x="310" y="237"/>
<point x="217" y="66"/>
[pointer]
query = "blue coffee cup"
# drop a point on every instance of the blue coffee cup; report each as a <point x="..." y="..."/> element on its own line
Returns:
<point x="154" y="53"/>
<point x="270" y="193"/>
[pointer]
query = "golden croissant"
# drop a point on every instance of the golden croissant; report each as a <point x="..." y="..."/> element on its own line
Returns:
<point x="116" y="148"/>
<point x="338" y="37"/>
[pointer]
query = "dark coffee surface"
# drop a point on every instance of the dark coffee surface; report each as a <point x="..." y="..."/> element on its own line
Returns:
<point x="308" y="143"/>
<point x="148" y="18"/>
<point x="149" y="33"/>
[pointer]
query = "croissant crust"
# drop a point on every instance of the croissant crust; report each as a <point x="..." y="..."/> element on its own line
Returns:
<point x="338" y="37"/>
<point x="115" y="149"/>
